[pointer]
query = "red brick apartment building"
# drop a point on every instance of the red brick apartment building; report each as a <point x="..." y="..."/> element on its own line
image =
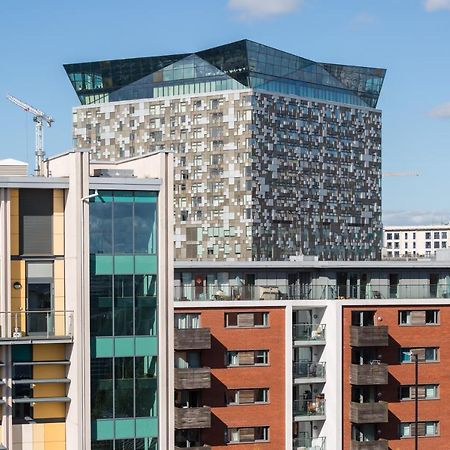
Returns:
<point x="379" y="376"/>
<point x="245" y="362"/>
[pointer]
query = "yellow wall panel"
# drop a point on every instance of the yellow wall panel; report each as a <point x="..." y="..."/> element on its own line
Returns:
<point x="55" y="432"/>
<point x="49" y="390"/>
<point x="47" y="372"/>
<point x="49" y="410"/>
<point x="49" y="352"/>
<point x="58" y="269"/>
<point x="18" y="295"/>
<point x="38" y="434"/>
<point x="58" y="244"/>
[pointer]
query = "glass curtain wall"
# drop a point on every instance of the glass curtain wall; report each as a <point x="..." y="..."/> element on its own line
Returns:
<point x="123" y="305"/>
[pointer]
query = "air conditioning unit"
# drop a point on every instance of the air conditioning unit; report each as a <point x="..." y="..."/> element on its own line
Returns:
<point x="17" y="333"/>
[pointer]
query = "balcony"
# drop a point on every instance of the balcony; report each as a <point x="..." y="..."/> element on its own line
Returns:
<point x="369" y="336"/>
<point x="37" y="327"/>
<point x="192" y="339"/>
<point x="374" y="373"/>
<point x="312" y="334"/>
<point x="312" y="291"/>
<point x="308" y="443"/>
<point x="307" y="371"/>
<point x="381" y="444"/>
<point x="191" y="418"/>
<point x="371" y="412"/>
<point x="195" y="378"/>
<point x="309" y="409"/>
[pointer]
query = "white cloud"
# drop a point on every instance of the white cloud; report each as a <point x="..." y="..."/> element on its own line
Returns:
<point x="437" y="5"/>
<point x="260" y="9"/>
<point x="415" y="217"/>
<point x="441" y="111"/>
<point x="363" y="20"/>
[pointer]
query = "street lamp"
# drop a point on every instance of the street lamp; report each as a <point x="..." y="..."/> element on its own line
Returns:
<point x="415" y="358"/>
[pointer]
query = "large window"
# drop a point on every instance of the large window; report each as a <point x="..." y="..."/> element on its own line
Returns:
<point x="247" y="320"/>
<point x="425" y="354"/>
<point x="418" y="317"/>
<point x="425" y="392"/>
<point x="247" y="396"/>
<point x="247" y="358"/>
<point x="248" y="434"/>
<point x="407" y="429"/>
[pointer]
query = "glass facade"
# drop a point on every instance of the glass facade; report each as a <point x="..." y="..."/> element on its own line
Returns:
<point x="123" y="302"/>
<point x="239" y="65"/>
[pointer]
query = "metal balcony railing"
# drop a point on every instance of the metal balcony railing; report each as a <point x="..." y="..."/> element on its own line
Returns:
<point x="312" y="291"/>
<point x="309" y="443"/>
<point x="308" y="369"/>
<point x="309" y="332"/>
<point x="44" y="324"/>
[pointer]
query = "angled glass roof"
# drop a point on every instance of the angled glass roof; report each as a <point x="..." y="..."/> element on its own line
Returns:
<point x="239" y="65"/>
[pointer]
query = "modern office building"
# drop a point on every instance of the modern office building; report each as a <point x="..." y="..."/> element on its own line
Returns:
<point x="86" y="317"/>
<point x="314" y="355"/>
<point x="414" y="241"/>
<point x="276" y="155"/>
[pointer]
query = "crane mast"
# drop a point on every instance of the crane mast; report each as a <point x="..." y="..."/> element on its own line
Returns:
<point x="39" y="119"/>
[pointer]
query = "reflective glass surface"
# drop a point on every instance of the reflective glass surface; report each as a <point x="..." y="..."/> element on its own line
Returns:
<point x="241" y="64"/>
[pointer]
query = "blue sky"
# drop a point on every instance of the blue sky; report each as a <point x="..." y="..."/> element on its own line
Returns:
<point x="410" y="38"/>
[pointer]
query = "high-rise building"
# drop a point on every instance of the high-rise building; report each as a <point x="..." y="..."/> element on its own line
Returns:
<point x="276" y="155"/>
<point x="85" y="315"/>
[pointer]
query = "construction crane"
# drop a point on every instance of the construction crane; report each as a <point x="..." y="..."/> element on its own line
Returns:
<point x="39" y="118"/>
<point x="400" y="174"/>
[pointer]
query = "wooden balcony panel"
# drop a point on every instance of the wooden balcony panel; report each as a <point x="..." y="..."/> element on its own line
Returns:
<point x="195" y="378"/>
<point x="368" y="374"/>
<point x="191" y="418"/>
<point x="372" y="412"/>
<point x="369" y="336"/>
<point x="381" y="444"/>
<point x="192" y="339"/>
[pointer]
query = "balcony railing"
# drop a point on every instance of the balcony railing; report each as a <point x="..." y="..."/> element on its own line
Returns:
<point x="309" y="332"/>
<point x="192" y="339"/>
<point x="308" y="369"/>
<point x="312" y="291"/>
<point x="42" y="325"/>
<point x="191" y="418"/>
<point x="309" y="443"/>
<point x="375" y="373"/>
<point x="369" y="336"/>
<point x="380" y="444"/>
<point x="309" y="408"/>
<point x="193" y="378"/>
<point x="371" y="412"/>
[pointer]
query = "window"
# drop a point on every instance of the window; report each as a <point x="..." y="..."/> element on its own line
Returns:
<point x="247" y="358"/>
<point x="443" y="244"/>
<point x="414" y="235"/>
<point x="427" y="244"/>
<point x="429" y="317"/>
<point x="436" y="235"/>
<point x="444" y="235"/>
<point x="396" y="245"/>
<point x="407" y="429"/>
<point x="425" y="392"/>
<point x="246" y="320"/>
<point x="406" y="235"/>
<point x="436" y="244"/>
<point x="251" y="434"/>
<point x="427" y="354"/>
<point x="248" y="396"/>
<point x="389" y="236"/>
<point x="396" y="236"/>
<point x="427" y="235"/>
<point x="188" y="320"/>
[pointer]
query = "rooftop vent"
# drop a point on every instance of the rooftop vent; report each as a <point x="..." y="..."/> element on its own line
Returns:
<point x="11" y="167"/>
<point x="114" y="173"/>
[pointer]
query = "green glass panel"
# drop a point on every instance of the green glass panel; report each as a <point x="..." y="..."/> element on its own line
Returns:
<point x="102" y="347"/>
<point x="145" y="197"/>
<point x="22" y="353"/>
<point x="104" y="197"/>
<point x="103" y="429"/>
<point x="123" y="196"/>
<point x="103" y="265"/>
<point x="146" y="346"/>
<point x="125" y="428"/>
<point x="124" y="346"/>
<point x="147" y="427"/>
<point x="123" y="265"/>
<point x="146" y="264"/>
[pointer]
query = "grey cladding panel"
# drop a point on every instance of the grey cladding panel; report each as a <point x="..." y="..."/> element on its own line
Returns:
<point x="36" y="224"/>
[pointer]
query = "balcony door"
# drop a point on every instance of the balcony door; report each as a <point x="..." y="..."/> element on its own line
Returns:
<point x="39" y="305"/>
